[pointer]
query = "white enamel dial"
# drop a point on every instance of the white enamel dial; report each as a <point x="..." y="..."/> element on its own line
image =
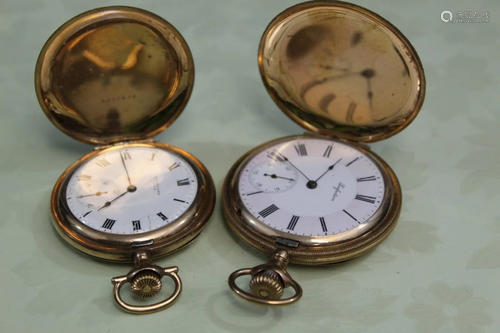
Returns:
<point x="131" y="190"/>
<point x="336" y="188"/>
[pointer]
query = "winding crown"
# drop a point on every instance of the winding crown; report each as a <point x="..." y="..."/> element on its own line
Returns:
<point x="145" y="285"/>
<point x="267" y="285"/>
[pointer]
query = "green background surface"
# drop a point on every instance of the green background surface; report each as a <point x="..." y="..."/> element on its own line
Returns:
<point x="437" y="272"/>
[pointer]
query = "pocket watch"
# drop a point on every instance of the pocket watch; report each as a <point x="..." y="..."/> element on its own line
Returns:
<point x="349" y="77"/>
<point x="114" y="77"/>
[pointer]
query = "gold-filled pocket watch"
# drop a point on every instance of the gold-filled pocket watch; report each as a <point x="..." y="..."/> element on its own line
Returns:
<point x="114" y="77"/>
<point x="349" y="77"/>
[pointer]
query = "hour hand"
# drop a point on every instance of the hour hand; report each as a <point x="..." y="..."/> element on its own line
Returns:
<point x="90" y="195"/>
<point x="329" y="168"/>
<point x="108" y="203"/>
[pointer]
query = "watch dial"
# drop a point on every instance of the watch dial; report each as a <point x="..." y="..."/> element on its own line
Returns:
<point x="312" y="187"/>
<point x="131" y="190"/>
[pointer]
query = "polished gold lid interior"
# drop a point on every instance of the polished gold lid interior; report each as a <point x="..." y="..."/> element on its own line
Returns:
<point x="340" y="70"/>
<point x="114" y="74"/>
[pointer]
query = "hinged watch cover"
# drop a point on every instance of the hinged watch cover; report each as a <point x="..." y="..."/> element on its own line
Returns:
<point x="114" y="74"/>
<point x="340" y="70"/>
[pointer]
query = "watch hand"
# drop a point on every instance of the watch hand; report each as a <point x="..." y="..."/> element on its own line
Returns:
<point x="89" y="195"/>
<point x="126" y="171"/>
<point x="287" y="160"/>
<point x="274" y="177"/>
<point x="277" y="156"/>
<point x="108" y="203"/>
<point x="329" y="168"/>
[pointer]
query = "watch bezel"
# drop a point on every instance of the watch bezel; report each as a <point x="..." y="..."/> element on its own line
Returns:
<point x="311" y="250"/>
<point x="121" y="247"/>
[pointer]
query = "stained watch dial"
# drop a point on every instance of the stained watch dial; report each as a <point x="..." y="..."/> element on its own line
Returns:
<point x="131" y="190"/>
<point x="335" y="187"/>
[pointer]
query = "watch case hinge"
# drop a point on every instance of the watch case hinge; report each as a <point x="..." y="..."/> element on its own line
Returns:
<point x="124" y="143"/>
<point x="336" y="137"/>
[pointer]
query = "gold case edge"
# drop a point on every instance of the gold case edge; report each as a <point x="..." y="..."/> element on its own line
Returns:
<point x="317" y="255"/>
<point x="117" y="247"/>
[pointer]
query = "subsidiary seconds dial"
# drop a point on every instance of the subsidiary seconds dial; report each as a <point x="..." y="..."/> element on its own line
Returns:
<point x="131" y="190"/>
<point x="273" y="177"/>
<point x="312" y="187"/>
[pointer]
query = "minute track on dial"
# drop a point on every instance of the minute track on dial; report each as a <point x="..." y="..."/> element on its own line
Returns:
<point x="342" y="186"/>
<point x="154" y="189"/>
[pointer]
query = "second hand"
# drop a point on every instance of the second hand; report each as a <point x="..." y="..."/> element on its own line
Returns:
<point x="274" y="177"/>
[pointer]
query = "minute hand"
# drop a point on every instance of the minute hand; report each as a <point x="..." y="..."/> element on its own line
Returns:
<point x="125" y="167"/>
<point x="287" y="160"/>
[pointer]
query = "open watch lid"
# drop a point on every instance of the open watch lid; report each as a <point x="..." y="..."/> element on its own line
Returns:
<point x="114" y="74"/>
<point x="341" y="70"/>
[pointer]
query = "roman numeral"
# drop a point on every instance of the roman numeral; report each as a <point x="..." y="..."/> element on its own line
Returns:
<point x="323" y="224"/>
<point x="163" y="217"/>
<point x="87" y="213"/>
<point x="102" y="163"/>
<point x="345" y="211"/>
<point x="136" y="225"/>
<point x="365" y="198"/>
<point x="153" y="157"/>
<point x="293" y="223"/>
<point x="126" y="156"/>
<point x="254" y="193"/>
<point x="366" y="179"/>
<point x="108" y="224"/>
<point x="357" y="158"/>
<point x="301" y="149"/>
<point x="180" y="200"/>
<point x="268" y="211"/>
<point x="278" y="157"/>
<point x="84" y="177"/>
<point x="174" y="166"/>
<point x="327" y="151"/>
<point x="183" y="182"/>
